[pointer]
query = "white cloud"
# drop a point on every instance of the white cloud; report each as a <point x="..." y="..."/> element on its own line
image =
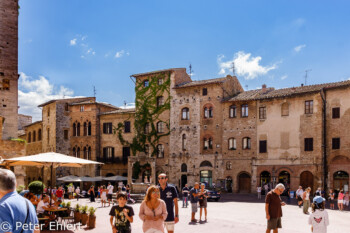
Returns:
<point x="33" y="92"/>
<point x="245" y="65"/>
<point x="73" y="42"/>
<point x="284" y="77"/>
<point x="128" y="106"/>
<point x="121" y="53"/>
<point x="299" y="48"/>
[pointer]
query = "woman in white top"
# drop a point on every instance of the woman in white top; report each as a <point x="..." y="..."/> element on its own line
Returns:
<point x="104" y="195"/>
<point x="306" y="200"/>
<point x="319" y="217"/>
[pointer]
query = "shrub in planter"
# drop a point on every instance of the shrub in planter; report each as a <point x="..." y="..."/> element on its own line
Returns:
<point x="77" y="216"/>
<point x="92" y="217"/>
<point x="36" y="187"/>
<point x="20" y="188"/>
<point x="84" y="215"/>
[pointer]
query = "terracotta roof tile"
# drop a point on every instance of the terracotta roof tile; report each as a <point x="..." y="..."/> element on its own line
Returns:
<point x="201" y="82"/>
<point x="128" y="110"/>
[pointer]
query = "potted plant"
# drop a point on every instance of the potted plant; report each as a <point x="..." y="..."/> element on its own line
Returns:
<point x="63" y="204"/>
<point x="77" y="216"/>
<point x="68" y="205"/>
<point x="84" y="215"/>
<point x="92" y="217"/>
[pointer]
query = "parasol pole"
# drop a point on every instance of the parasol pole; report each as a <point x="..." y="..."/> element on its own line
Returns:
<point x="51" y="184"/>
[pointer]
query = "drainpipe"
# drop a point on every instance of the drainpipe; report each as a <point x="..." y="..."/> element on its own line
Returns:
<point x="324" y="146"/>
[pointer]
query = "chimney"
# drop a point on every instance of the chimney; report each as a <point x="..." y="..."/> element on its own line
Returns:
<point x="302" y="84"/>
<point x="263" y="88"/>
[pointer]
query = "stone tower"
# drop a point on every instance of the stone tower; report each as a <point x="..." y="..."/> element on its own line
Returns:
<point x="9" y="66"/>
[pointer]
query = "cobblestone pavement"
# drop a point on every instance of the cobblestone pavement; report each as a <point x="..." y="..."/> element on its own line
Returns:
<point x="233" y="214"/>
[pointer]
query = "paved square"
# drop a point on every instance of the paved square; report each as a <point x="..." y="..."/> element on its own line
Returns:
<point x="228" y="217"/>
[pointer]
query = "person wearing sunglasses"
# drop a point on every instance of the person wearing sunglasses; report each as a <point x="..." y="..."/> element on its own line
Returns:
<point x="153" y="211"/>
<point x="169" y="195"/>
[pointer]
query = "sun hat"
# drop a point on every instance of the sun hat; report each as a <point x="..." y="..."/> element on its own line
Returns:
<point x="318" y="199"/>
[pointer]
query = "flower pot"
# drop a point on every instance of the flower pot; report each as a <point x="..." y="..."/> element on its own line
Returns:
<point x="84" y="219"/>
<point x="92" y="221"/>
<point x="77" y="217"/>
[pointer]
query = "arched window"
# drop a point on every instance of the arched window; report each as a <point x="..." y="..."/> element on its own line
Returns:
<point x="205" y="164"/>
<point x="208" y="143"/>
<point x="211" y="112"/>
<point x="184" y="142"/>
<point x="78" y="152"/>
<point x="232" y="144"/>
<point x="78" y="129"/>
<point x="160" y="127"/>
<point x="85" y="129"/>
<point x="85" y="152"/>
<point x="244" y="110"/>
<point x="285" y="109"/>
<point x="160" y="101"/>
<point x="89" y="153"/>
<point x="246" y="143"/>
<point x="185" y="114"/>
<point x="74" y="129"/>
<point x="89" y="129"/>
<point x="74" y="151"/>
<point x="146" y="83"/>
<point x="147" y="128"/>
<point x="160" y="151"/>
<point x="29" y="137"/>
<point x="184" y="167"/>
<point x="233" y="111"/>
<point x="39" y="135"/>
<point x="34" y="136"/>
<point x="206" y="112"/>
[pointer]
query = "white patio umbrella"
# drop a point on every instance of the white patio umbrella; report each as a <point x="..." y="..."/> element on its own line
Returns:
<point x="69" y="179"/>
<point x="116" y="178"/>
<point x="50" y="159"/>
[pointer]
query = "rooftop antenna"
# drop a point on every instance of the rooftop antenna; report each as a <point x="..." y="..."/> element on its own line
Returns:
<point x="233" y="68"/>
<point x="124" y="104"/>
<point x="191" y="70"/>
<point x="94" y="91"/>
<point x="306" y="73"/>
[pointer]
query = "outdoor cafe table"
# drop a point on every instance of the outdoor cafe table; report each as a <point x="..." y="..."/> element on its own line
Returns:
<point x="55" y="210"/>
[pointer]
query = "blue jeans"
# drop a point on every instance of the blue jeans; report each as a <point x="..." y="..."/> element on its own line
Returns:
<point x="184" y="200"/>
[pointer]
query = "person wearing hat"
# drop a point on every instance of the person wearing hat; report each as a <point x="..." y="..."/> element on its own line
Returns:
<point x="319" y="217"/>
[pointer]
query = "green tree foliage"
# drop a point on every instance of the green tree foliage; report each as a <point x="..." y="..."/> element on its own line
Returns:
<point x="36" y="187"/>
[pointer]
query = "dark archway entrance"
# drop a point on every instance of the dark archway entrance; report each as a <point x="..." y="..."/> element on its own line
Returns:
<point x="183" y="180"/>
<point x="340" y="179"/>
<point x="307" y="180"/>
<point x="244" y="181"/>
<point x="265" y="178"/>
<point x="284" y="178"/>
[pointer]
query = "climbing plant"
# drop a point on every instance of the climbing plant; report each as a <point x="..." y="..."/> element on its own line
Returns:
<point x="148" y="113"/>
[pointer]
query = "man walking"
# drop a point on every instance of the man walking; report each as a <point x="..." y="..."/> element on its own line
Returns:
<point x="169" y="195"/>
<point x="110" y="193"/>
<point x="194" y="193"/>
<point x="17" y="214"/>
<point x="273" y="208"/>
<point x="185" y="192"/>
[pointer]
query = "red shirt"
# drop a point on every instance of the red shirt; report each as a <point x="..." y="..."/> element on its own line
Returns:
<point x="59" y="193"/>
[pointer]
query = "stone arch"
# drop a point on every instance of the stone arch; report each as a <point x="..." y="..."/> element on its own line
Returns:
<point x="307" y="179"/>
<point x="205" y="163"/>
<point x="244" y="181"/>
<point x="184" y="167"/>
<point x="340" y="159"/>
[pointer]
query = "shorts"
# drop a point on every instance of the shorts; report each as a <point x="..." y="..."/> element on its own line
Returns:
<point x="340" y="201"/>
<point x="59" y="198"/>
<point x="103" y="198"/>
<point x="169" y="226"/>
<point x="346" y="203"/>
<point x="109" y="196"/>
<point x="203" y="204"/>
<point x="152" y="230"/>
<point x="194" y="207"/>
<point x="274" y="223"/>
<point x="299" y="198"/>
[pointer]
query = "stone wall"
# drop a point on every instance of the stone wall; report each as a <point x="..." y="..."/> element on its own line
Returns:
<point x="9" y="67"/>
<point x="23" y="120"/>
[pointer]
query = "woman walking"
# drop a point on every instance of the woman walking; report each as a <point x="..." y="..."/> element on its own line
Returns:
<point x="153" y="211"/>
<point x="203" y="195"/>
<point x="306" y="200"/>
<point x="103" y="193"/>
<point x="92" y="193"/>
<point x="341" y="200"/>
<point x="331" y="199"/>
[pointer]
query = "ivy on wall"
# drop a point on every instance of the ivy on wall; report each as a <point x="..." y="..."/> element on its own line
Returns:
<point x="148" y="112"/>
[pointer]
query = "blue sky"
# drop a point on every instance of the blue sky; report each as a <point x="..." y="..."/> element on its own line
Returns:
<point x="66" y="47"/>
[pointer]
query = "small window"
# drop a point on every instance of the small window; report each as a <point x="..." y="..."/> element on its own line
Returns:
<point x="81" y="108"/>
<point x="160" y="151"/>
<point x="335" y="143"/>
<point x="78" y="130"/>
<point x="285" y="109"/>
<point x="48" y="111"/>
<point x="89" y="129"/>
<point x="335" y="113"/>
<point x="126" y="152"/>
<point x="6" y="84"/>
<point x="34" y="136"/>
<point x="108" y="154"/>
<point x="160" y="81"/>
<point x="262" y="146"/>
<point x="147" y="129"/>
<point x="39" y="135"/>
<point x="228" y="165"/>
<point x="232" y="145"/>
<point x="160" y="101"/>
<point x="185" y="114"/>
<point x="246" y="143"/>
<point x="160" y="127"/>
<point x="204" y="91"/>
<point x="309" y="144"/>
<point x="309" y="106"/>
<point x="184" y="142"/>
<point x="65" y="132"/>
<point x="208" y="143"/>
<point x="262" y="113"/>
<point x="146" y="83"/>
<point x="147" y="149"/>
<point x="48" y="135"/>
<point x="127" y="128"/>
<point x="66" y="107"/>
<point x="233" y="111"/>
<point x="245" y="110"/>
<point x="208" y="112"/>
<point x="85" y="128"/>
<point x="29" y="137"/>
<point x="107" y="128"/>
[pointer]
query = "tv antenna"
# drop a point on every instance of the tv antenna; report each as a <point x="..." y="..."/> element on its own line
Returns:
<point x="191" y="70"/>
<point x="124" y="104"/>
<point x="233" y="68"/>
<point x="306" y="74"/>
<point x="94" y="91"/>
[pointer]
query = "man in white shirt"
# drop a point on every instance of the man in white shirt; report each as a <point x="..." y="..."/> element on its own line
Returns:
<point x="42" y="205"/>
<point x="299" y="194"/>
<point x="77" y="193"/>
<point x="258" y="189"/>
<point x="110" y="193"/>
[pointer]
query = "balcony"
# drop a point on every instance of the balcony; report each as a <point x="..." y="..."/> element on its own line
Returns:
<point x="112" y="159"/>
